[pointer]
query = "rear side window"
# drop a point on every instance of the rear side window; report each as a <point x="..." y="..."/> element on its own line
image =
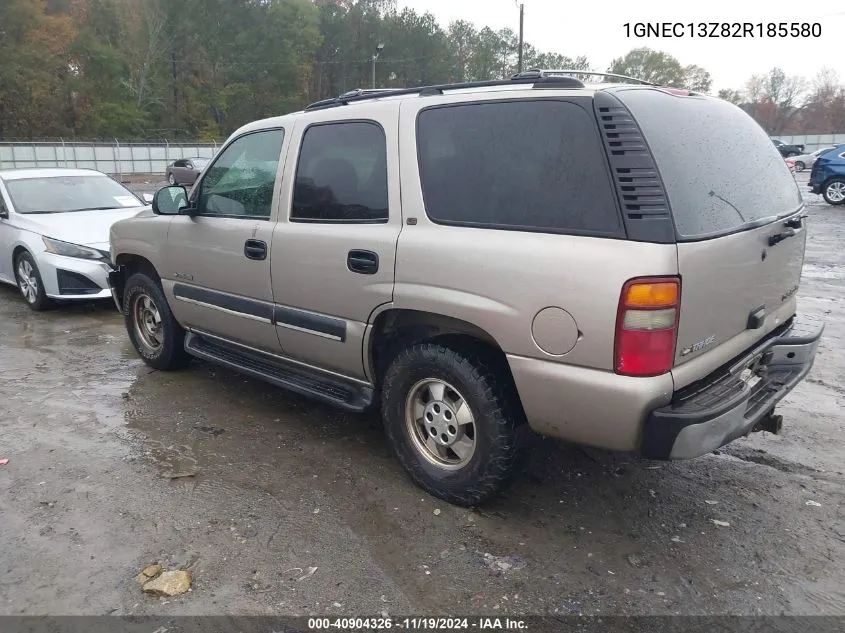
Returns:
<point x="342" y="174"/>
<point x="524" y="165"/>
<point x="720" y="169"/>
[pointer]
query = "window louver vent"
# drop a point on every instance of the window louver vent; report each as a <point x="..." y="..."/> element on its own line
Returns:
<point x="644" y="203"/>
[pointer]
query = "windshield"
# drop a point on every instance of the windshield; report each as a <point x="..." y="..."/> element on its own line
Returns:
<point x="65" y="194"/>
<point x="720" y="169"/>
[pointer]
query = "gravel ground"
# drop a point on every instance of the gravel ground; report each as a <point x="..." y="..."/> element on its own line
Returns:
<point x="295" y="508"/>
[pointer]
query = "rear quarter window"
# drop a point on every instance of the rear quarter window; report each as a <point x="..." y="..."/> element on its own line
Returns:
<point x="719" y="167"/>
<point x="533" y="165"/>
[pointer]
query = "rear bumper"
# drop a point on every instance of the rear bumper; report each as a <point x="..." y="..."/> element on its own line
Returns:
<point x="730" y="403"/>
<point x="587" y="406"/>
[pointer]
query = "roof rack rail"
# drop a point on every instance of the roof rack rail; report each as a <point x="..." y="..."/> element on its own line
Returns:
<point x="537" y="73"/>
<point x="371" y="93"/>
<point x="546" y="81"/>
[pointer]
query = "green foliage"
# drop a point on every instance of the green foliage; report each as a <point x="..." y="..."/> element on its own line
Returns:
<point x="654" y="66"/>
<point x="135" y="69"/>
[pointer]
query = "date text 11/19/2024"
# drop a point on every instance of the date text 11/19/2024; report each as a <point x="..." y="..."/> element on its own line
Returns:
<point x="417" y="624"/>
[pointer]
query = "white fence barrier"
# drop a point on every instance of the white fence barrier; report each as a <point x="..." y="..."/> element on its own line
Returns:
<point x="112" y="158"/>
<point x="812" y="142"/>
<point x="152" y="158"/>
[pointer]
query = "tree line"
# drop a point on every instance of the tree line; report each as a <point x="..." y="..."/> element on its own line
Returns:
<point x="198" y="69"/>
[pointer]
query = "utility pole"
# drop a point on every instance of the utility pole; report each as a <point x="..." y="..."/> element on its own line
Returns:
<point x="521" y="36"/>
<point x="175" y="86"/>
<point x="379" y="49"/>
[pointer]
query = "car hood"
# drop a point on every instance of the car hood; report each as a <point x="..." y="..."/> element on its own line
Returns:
<point x="88" y="228"/>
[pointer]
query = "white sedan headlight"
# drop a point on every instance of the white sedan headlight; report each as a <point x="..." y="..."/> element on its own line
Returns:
<point x="73" y="250"/>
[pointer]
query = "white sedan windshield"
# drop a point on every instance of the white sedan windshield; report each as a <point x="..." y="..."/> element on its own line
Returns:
<point x="65" y="194"/>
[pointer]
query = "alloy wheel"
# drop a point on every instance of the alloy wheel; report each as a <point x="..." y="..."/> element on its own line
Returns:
<point x="836" y="192"/>
<point x="440" y="423"/>
<point x="27" y="281"/>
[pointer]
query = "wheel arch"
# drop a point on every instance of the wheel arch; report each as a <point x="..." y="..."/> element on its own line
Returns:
<point x="127" y="265"/>
<point x="132" y="263"/>
<point x="393" y="329"/>
<point x="17" y="250"/>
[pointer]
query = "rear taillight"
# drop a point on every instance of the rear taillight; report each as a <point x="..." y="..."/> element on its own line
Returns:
<point x="647" y="326"/>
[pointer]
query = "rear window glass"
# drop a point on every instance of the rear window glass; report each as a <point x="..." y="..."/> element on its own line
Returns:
<point x="525" y="165"/>
<point x="720" y="169"/>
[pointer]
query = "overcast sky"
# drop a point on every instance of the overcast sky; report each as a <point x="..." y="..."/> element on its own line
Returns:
<point x="595" y="28"/>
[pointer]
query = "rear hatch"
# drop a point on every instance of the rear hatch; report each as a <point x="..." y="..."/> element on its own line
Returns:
<point x="732" y="199"/>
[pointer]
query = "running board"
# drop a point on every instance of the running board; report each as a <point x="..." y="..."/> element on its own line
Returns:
<point x="302" y="379"/>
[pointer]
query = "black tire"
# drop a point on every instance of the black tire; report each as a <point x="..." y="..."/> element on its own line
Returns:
<point x="499" y="430"/>
<point x="830" y="189"/>
<point x="32" y="288"/>
<point x="799" y="165"/>
<point x="171" y="179"/>
<point x="141" y="324"/>
<point x="791" y="154"/>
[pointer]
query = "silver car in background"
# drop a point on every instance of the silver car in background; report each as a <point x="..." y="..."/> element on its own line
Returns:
<point x="805" y="161"/>
<point x="185" y="170"/>
<point x="54" y="232"/>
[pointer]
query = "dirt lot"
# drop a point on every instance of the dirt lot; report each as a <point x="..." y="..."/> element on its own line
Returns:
<point x="294" y="508"/>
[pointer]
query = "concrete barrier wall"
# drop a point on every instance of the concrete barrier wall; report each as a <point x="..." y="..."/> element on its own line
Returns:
<point x="152" y="158"/>
<point x="812" y="142"/>
<point x="112" y="158"/>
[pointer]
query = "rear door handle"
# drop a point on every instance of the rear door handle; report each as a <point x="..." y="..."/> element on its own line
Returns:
<point x="255" y="249"/>
<point x="364" y="262"/>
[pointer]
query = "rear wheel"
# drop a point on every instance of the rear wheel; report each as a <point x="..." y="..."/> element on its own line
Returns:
<point x="30" y="284"/>
<point x="454" y="421"/>
<point x="156" y="335"/>
<point x="834" y="191"/>
<point x="799" y="165"/>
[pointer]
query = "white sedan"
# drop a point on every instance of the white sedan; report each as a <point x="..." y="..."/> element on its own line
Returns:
<point x="54" y="232"/>
<point x="804" y="161"/>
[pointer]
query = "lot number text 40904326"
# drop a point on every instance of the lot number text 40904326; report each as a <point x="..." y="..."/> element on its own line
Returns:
<point x="723" y="29"/>
<point x="371" y="625"/>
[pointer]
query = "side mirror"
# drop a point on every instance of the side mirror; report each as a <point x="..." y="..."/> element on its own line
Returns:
<point x="170" y="200"/>
<point x="148" y="198"/>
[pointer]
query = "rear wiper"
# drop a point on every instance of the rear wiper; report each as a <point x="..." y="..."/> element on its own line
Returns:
<point x="797" y="221"/>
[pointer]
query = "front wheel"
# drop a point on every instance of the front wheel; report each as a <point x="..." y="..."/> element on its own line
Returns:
<point x="799" y="166"/>
<point x="156" y="335"/>
<point x="29" y="283"/>
<point x="455" y="423"/>
<point x="834" y="191"/>
<point x="171" y="179"/>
